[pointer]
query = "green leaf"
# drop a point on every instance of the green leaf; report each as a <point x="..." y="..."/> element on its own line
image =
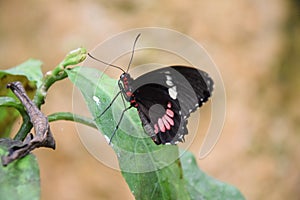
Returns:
<point x="30" y="75"/>
<point x="8" y="114"/>
<point x="151" y="171"/>
<point x="202" y="186"/>
<point x="20" y="179"/>
<point x="9" y="102"/>
<point x="31" y="69"/>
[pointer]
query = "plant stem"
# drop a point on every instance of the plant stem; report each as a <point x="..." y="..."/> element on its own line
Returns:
<point x="58" y="73"/>
<point x="25" y="128"/>
<point x="43" y="136"/>
<point x="49" y="79"/>
<point x="26" y="125"/>
<point x="71" y="117"/>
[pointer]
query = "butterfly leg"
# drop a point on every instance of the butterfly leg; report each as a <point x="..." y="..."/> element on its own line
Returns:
<point x="112" y="101"/>
<point x="122" y="90"/>
<point x="123" y="101"/>
<point x="118" y="124"/>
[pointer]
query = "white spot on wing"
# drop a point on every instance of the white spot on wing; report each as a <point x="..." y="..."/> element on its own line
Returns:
<point x="168" y="77"/>
<point x="169" y="80"/>
<point x="169" y="83"/>
<point x="173" y="92"/>
<point x="208" y="82"/>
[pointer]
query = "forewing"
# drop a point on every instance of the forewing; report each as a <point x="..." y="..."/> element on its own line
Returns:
<point x="194" y="88"/>
<point x="177" y="88"/>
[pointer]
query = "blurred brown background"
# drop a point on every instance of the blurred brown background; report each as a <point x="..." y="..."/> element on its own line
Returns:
<point x="255" y="45"/>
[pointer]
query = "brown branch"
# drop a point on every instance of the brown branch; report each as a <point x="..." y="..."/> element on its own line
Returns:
<point x="43" y="136"/>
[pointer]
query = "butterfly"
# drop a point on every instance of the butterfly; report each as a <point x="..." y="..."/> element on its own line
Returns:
<point x="164" y="99"/>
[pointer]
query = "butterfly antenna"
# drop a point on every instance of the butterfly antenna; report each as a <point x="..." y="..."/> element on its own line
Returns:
<point x="115" y="66"/>
<point x="133" y="48"/>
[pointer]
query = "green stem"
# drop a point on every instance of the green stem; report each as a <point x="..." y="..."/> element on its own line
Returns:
<point x="26" y="124"/>
<point x="71" y="117"/>
<point x="24" y="129"/>
<point x="58" y="73"/>
<point x="49" y="79"/>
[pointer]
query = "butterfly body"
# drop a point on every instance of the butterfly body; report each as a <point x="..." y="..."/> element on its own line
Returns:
<point x="164" y="99"/>
<point x="125" y="85"/>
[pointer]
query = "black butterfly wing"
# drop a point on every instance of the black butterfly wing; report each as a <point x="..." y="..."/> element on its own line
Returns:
<point x="166" y="97"/>
<point x="160" y="114"/>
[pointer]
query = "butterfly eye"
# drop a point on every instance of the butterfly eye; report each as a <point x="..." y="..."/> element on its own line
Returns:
<point x="122" y="76"/>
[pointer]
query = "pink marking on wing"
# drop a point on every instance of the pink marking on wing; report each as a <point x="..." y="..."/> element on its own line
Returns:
<point x="128" y="93"/>
<point x="155" y="128"/>
<point x="166" y="123"/>
<point x="169" y="105"/>
<point x="170" y="113"/>
<point x="161" y="125"/>
<point x="169" y="119"/>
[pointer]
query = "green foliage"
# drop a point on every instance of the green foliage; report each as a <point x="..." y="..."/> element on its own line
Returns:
<point x="20" y="179"/>
<point x="151" y="171"/>
<point x="31" y="69"/>
<point x="201" y="185"/>
<point x="30" y="75"/>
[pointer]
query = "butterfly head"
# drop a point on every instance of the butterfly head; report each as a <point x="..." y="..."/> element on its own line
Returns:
<point x="126" y="80"/>
<point x="125" y="77"/>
